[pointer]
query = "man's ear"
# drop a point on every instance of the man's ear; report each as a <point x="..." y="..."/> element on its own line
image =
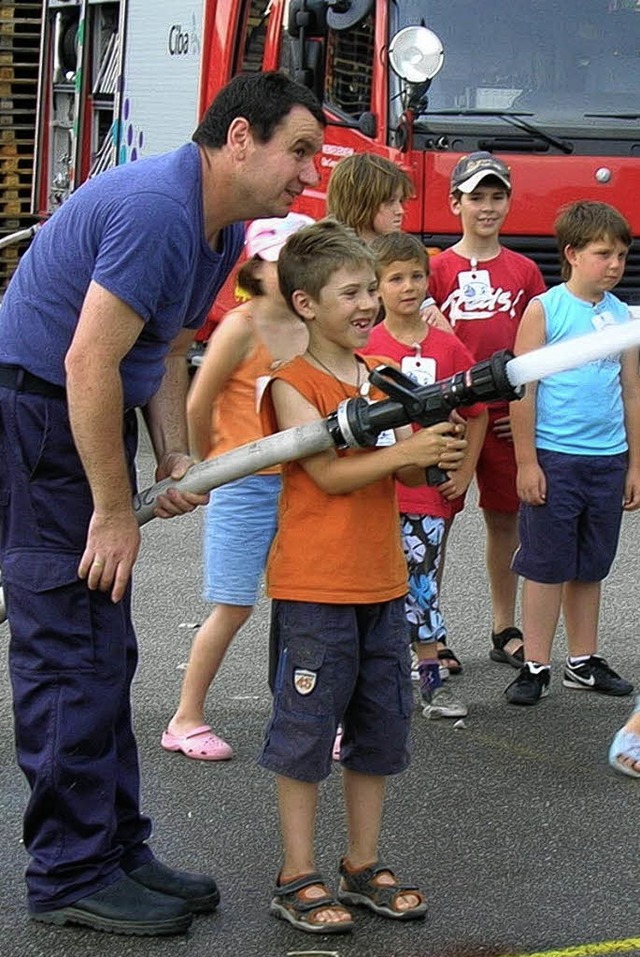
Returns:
<point x="239" y="136"/>
<point x="303" y="304"/>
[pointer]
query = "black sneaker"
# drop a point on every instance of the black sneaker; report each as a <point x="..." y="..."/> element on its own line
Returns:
<point x="594" y="674"/>
<point x="529" y="686"/>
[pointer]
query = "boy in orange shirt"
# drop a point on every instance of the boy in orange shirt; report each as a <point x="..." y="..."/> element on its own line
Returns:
<point x="338" y="577"/>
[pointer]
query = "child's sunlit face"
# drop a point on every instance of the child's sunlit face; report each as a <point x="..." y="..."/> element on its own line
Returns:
<point x="483" y="211"/>
<point x="402" y="287"/>
<point x="390" y="216"/>
<point x="346" y="308"/>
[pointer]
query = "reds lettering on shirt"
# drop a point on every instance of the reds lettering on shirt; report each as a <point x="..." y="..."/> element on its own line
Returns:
<point x="495" y="291"/>
<point x="471" y="302"/>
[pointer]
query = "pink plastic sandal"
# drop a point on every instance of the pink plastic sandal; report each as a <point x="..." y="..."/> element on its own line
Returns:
<point x="201" y="744"/>
<point x="337" y="745"/>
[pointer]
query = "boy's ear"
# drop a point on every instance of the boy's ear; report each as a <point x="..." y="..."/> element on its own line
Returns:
<point x="303" y="304"/>
<point x="569" y="253"/>
<point x="454" y="205"/>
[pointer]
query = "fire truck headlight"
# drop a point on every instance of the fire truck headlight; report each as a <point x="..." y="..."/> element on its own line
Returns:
<point x="416" y="54"/>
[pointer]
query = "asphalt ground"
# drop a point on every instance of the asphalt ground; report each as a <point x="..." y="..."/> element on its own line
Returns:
<point x="523" y="838"/>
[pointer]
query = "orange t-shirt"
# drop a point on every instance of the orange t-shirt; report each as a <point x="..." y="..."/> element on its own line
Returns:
<point x="333" y="549"/>
<point x="236" y="419"/>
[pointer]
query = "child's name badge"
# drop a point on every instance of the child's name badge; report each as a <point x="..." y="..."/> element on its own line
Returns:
<point x="475" y="286"/>
<point x="420" y="368"/>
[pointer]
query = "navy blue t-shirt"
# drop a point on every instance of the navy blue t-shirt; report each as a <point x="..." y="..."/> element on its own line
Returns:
<point x="138" y="231"/>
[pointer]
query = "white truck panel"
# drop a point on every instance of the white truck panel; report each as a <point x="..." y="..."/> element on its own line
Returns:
<point x="159" y="105"/>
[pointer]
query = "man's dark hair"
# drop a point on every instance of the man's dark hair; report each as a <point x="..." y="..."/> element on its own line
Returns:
<point x="263" y="99"/>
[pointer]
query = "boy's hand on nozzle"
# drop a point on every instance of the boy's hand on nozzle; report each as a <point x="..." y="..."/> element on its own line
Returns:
<point x="442" y="444"/>
<point x="531" y="484"/>
<point x="502" y="429"/>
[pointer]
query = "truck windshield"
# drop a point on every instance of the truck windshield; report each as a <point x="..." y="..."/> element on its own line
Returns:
<point x="560" y="62"/>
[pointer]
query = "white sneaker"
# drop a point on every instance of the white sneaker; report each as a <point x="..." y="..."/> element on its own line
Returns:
<point x="441" y="703"/>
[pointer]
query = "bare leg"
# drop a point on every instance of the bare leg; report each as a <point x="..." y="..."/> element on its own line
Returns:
<point x="540" y="613"/>
<point x="502" y="541"/>
<point x="364" y="799"/>
<point x="207" y="653"/>
<point x="297" y="803"/>
<point x="581" y="610"/>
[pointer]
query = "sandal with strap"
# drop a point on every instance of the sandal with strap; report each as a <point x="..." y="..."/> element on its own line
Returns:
<point x="289" y="903"/>
<point x="450" y="660"/>
<point x="500" y="641"/>
<point x="360" y="887"/>
<point x="625" y="744"/>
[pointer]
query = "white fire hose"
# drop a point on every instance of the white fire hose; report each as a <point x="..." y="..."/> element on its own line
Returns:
<point x="356" y="423"/>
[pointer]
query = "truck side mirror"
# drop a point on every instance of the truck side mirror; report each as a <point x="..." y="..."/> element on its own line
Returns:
<point x="347" y="14"/>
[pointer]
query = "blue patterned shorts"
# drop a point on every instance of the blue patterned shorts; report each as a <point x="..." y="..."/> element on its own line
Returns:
<point x="422" y="537"/>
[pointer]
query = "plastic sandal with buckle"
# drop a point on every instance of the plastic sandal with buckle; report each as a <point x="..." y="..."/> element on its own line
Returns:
<point x="360" y="887"/>
<point x="450" y="660"/>
<point x="500" y="641"/>
<point x="290" y="903"/>
<point x="626" y="744"/>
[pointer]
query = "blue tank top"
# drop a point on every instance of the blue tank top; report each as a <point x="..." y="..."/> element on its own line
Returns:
<point x="580" y="412"/>
<point x="138" y="231"/>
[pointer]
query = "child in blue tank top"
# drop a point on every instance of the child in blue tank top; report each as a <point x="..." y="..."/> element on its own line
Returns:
<point x="577" y="446"/>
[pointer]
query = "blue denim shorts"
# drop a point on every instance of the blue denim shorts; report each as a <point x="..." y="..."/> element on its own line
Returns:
<point x="240" y="523"/>
<point x="335" y="664"/>
<point x="574" y="535"/>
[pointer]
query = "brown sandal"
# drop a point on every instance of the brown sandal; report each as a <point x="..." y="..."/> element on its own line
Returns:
<point x="289" y="903"/>
<point x="360" y="887"/>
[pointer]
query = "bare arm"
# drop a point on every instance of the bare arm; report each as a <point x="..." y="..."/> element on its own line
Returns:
<point x="531" y="482"/>
<point x="630" y="380"/>
<point x="225" y="351"/>
<point x="165" y="417"/>
<point x="337" y="475"/>
<point x="459" y="481"/>
<point x="106" y="331"/>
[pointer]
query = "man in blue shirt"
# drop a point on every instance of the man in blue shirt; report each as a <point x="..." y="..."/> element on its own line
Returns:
<point x="96" y="323"/>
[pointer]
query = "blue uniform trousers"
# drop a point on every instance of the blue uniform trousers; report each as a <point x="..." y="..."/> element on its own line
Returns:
<point x="72" y="657"/>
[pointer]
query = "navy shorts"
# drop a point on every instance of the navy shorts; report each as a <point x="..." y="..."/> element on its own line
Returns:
<point x="339" y="664"/>
<point x="574" y="536"/>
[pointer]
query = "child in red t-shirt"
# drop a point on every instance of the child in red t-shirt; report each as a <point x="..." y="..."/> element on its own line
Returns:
<point x="482" y="288"/>
<point x="426" y="512"/>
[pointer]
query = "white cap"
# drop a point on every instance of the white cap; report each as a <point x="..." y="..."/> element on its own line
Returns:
<point x="266" y="237"/>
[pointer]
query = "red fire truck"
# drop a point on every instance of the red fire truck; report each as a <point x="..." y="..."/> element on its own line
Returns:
<point x="553" y="88"/>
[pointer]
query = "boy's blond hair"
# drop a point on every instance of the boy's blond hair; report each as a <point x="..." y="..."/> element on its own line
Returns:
<point x="360" y="184"/>
<point x="312" y="255"/>
<point x="398" y="247"/>
<point x="587" y="221"/>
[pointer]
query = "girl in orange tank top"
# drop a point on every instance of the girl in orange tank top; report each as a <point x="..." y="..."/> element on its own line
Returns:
<point x="240" y="520"/>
